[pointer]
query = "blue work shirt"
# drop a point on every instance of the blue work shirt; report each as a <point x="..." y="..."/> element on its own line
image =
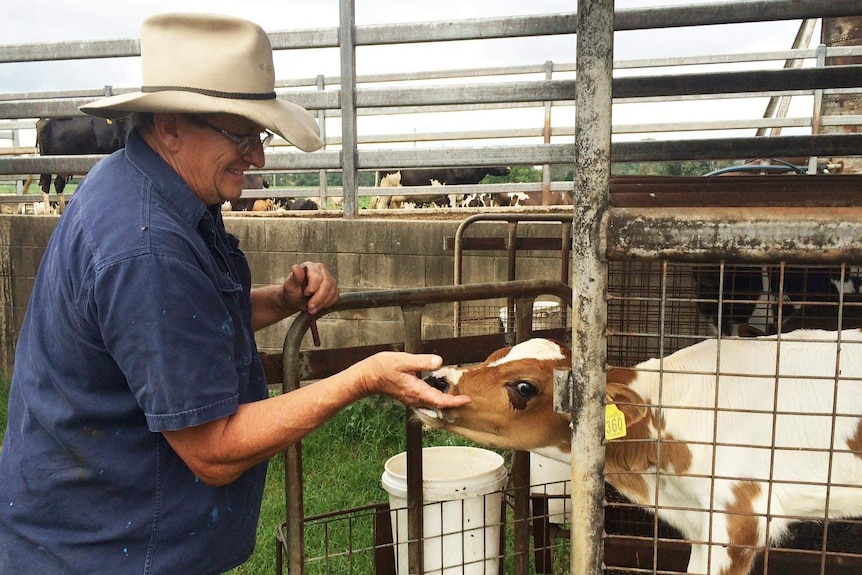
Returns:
<point x="139" y="322"/>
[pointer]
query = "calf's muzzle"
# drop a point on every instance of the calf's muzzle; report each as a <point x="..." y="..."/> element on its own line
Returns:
<point x="437" y="383"/>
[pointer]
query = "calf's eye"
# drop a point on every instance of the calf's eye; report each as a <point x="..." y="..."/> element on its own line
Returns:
<point x="520" y="394"/>
<point x="526" y="389"/>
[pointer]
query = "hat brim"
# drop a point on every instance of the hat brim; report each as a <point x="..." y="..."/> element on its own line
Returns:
<point x="290" y="121"/>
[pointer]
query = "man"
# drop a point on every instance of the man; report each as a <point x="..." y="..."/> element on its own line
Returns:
<point x="139" y="422"/>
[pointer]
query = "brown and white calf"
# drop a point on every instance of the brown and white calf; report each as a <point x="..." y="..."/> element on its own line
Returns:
<point x="779" y="446"/>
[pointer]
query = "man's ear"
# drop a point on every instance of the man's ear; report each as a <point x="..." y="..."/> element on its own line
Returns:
<point x="628" y="401"/>
<point x="167" y="130"/>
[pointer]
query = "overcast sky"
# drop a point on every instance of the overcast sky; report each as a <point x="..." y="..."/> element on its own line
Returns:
<point x="35" y="21"/>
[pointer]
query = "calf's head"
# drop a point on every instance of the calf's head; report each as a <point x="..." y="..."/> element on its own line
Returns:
<point x="512" y="399"/>
<point x="513" y="404"/>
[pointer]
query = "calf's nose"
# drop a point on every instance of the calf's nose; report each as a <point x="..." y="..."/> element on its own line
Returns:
<point x="437" y="383"/>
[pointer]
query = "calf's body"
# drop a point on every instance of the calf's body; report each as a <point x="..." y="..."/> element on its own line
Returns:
<point x="777" y="433"/>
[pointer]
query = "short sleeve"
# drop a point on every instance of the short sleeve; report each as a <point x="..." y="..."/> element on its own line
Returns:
<point x="167" y="325"/>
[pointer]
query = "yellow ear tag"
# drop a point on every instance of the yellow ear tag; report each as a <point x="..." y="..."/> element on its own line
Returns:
<point x="615" y="422"/>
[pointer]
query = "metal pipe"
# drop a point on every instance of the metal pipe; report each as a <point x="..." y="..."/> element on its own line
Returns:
<point x="347" y="99"/>
<point x="294" y="538"/>
<point x="412" y="316"/>
<point x="823" y="145"/>
<point x="522" y="320"/>
<point x="321" y="121"/>
<point x="408" y="32"/>
<point x="511" y="252"/>
<point x="546" y="139"/>
<point x="589" y="279"/>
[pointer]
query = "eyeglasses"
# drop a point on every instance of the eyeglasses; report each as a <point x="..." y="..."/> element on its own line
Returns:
<point x="244" y="144"/>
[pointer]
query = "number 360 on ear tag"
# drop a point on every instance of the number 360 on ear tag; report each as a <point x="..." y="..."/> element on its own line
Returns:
<point x="615" y="422"/>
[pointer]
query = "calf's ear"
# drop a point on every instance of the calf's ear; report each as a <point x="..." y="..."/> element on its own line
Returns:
<point x="628" y="401"/>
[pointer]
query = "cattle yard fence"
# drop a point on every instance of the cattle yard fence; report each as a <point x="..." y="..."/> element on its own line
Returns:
<point x="547" y="86"/>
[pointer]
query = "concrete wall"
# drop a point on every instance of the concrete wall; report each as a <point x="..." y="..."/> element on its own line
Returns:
<point x="363" y="254"/>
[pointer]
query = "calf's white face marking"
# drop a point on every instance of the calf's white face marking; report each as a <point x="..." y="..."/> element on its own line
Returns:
<point x="540" y="349"/>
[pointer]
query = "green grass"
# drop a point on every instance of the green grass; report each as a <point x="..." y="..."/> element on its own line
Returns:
<point x="35" y="192"/>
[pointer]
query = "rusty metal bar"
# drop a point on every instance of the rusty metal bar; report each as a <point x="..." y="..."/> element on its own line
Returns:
<point x="589" y="279"/>
<point x="793" y="235"/>
<point x="431" y="294"/>
<point x="412" y="316"/>
<point x="511" y="255"/>
<point x="294" y="538"/>
<point x="523" y="324"/>
<point x="786" y="79"/>
<point x="566" y="255"/>
<point x="773" y="191"/>
<point x="733" y="148"/>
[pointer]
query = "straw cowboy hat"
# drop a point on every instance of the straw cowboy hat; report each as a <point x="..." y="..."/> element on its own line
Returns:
<point x="206" y="63"/>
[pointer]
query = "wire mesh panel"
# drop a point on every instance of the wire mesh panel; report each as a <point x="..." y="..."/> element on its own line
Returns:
<point x="345" y="542"/>
<point x="741" y="453"/>
<point x="365" y="540"/>
<point x="488" y="319"/>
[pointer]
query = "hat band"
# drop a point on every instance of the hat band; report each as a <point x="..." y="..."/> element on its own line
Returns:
<point x="213" y="93"/>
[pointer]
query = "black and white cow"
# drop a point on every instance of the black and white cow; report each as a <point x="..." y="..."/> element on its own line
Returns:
<point x="435" y="176"/>
<point x="749" y="296"/>
<point x="530" y="199"/>
<point x="75" y="136"/>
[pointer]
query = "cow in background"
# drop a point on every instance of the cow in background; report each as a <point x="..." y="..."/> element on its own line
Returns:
<point x="75" y="136"/>
<point x="511" y="199"/>
<point x="293" y="204"/>
<point x="249" y="182"/>
<point x="449" y="176"/>
<point x="750" y="298"/>
<point x="258" y="182"/>
<point x="435" y="176"/>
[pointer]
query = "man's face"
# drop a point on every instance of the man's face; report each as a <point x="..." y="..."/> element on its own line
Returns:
<point x="209" y="160"/>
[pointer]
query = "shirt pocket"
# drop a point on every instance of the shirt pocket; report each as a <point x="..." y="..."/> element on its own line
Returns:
<point x="235" y="300"/>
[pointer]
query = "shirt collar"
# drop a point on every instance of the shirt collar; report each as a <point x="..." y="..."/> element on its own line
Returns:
<point x="168" y="186"/>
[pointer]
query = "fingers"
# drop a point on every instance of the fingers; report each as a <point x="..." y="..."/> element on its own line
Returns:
<point x="437" y="399"/>
<point x="316" y="285"/>
<point x="425" y="361"/>
<point x="394" y="374"/>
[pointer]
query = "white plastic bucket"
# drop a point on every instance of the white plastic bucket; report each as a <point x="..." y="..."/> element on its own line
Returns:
<point x="552" y="477"/>
<point x="462" y="492"/>
<point x="546" y="315"/>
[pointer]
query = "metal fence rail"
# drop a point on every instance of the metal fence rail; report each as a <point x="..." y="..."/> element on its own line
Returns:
<point x="322" y="94"/>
